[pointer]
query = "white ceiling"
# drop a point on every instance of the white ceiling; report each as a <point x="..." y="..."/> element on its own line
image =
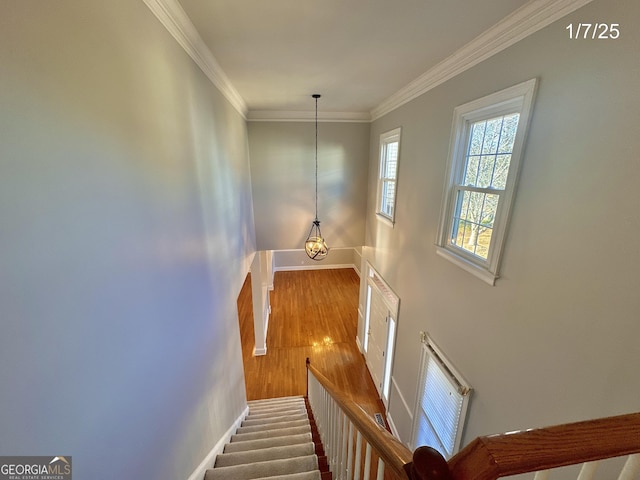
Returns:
<point x="356" y="53"/>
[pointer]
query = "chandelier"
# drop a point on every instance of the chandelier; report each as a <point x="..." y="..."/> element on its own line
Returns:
<point x="315" y="246"/>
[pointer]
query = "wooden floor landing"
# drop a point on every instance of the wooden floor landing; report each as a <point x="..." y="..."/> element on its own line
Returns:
<point x="305" y="324"/>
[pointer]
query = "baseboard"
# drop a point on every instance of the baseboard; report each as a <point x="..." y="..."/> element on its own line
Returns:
<point x="210" y="459"/>
<point x="323" y="266"/>
<point x="359" y="344"/>
<point x="392" y="425"/>
<point x="297" y="259"/>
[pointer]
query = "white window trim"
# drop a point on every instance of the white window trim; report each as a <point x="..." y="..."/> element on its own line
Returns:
<point x="430" y="349"/>
<point x="386" y="138"/>
<point x="518" y="98"/>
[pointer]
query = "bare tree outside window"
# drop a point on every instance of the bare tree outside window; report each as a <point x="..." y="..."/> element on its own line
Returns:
<point x="485" y="176"/>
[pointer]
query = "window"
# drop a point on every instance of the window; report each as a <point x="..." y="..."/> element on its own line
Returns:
<point x="486" y="147"/>
<point x="388" y="178"/>
<point x="443" y="398"/>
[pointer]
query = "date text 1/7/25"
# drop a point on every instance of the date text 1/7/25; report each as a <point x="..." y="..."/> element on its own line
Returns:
<point x="594" y="31"/>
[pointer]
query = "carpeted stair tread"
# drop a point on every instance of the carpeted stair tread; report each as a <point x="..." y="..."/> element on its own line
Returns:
<point x="275" y="413"/>
<point x="238" y="437"/>
<point x="273" y="426"/>
<point x="251" y="422"/>
<point x="264" y="401"/>
<point x="265" y="454"/>
<point x="276" y="406"/>
<point x="243" y="446"/>
<point x="313" y="475"/>
<point x="264" y="469"/>
<point x="274" y="442"/>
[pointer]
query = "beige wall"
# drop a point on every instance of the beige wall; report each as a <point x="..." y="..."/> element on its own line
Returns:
<point x="556" y="339"/>
<point x="126" y="231"/>
<point x="282" y="173"/>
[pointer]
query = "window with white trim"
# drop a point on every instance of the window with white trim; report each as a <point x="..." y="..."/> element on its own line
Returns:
<point x="443" y="399"/>
<point x="484" y="159"/>
<point x="388" y="174"/>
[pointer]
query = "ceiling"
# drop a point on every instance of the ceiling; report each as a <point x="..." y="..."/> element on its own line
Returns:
<point x="355" y="53"/>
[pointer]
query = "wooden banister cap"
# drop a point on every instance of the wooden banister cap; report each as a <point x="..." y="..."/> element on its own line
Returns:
<point x="429" y="464"/>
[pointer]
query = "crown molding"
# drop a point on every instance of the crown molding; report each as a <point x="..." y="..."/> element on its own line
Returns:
<point x="175" y="20"/>
<point x="298" y="116"/>
<point x="516" y="26"/>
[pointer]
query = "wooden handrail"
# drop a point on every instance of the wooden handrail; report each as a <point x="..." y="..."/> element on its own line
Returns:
<point x="396" y="456"/>
<point x="491" y="457"/>
<point x="494" y="456"/>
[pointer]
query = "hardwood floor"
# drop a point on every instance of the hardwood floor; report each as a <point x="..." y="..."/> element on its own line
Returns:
<point x="314" y="313"/>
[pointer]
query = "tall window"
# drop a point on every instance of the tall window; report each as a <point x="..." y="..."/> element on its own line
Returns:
<point x="388" y="178"/>
<point x="486" y="146"/>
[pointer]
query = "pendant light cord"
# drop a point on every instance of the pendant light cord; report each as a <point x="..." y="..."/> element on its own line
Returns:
<point x="316" y="96"/>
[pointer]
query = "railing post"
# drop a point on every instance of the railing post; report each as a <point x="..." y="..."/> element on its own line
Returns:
<point x="307" y="363"/>
<point x="428" y="464"/>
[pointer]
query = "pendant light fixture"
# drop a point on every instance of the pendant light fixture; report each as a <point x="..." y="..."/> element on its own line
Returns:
<point x="315" y="246"/>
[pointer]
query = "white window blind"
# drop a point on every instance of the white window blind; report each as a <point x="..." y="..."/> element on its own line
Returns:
<point x="442" y="404"/>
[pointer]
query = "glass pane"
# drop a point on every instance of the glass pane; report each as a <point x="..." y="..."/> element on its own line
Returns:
<point x="388" y="197"/>
<point x="500" y="173"/>
<point x="391" y="160"/>
<point x="473" y="221"/>
<point x="489" y="155"/>
<point x="476" y="138"/>
<point x="471" y="171"/>
<point x="485" y="171"/>
<point x="492" y="135"/>
<point x="508" y="137"/>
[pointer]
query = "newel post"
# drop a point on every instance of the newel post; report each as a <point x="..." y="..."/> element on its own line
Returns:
<point x="308" y="362"/>
<point x="428" y="464"/>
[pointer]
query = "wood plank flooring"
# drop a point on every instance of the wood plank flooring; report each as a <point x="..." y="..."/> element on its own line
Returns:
<point x="314" y="313"/>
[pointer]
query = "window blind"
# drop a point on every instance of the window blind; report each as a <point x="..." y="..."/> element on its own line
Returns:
<point x="441" y="405"/>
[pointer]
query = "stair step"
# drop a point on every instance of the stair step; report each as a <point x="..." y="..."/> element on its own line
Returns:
<point x="243" y="446"/>
<point x="251" y="422"/>
<point x="273" y="426"/>
<point x="279" y="401"/>
<point x="277" y="440"/>
<point x="238" y="437"/>
<point x="313" y="475"/>
<point x="280" y="412"/>
<point x="276" y="406"/>
<point x="263" y="469"/>
<point x="265" y="454"/>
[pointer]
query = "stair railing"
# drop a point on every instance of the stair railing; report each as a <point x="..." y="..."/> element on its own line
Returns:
<point x="344" y="426"/>
<point x="346" y="430"/>
<point x="542" y="449"/>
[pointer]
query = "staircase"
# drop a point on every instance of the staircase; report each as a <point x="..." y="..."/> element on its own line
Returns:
<point x="277" y="440"/>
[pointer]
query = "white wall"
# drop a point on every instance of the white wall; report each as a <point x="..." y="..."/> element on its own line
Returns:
<point x="283" y="182"/>
<point x="126" y="231"/>
<point x="556" y="340"/>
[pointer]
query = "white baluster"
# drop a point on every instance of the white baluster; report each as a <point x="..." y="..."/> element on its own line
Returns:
<point x="541" y="475"/>
<point x="344" y="441"/>
<point x="588" y="470"/>
<point x="380" y="475"/>
<point x="350" y="453"/>
<point x="367" y="462"/>
<point x="332" y="436"/>
<point x="358" y="457"/>
<point x="631" y="468"/>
